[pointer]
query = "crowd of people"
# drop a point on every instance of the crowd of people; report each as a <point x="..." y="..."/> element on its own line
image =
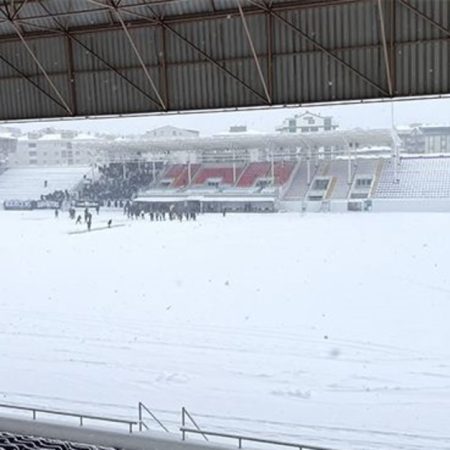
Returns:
<point x="161" y="213"/>
<point x="117" y="183"/>
<point x="133" y="211"/>
<point x="57" y="196"/>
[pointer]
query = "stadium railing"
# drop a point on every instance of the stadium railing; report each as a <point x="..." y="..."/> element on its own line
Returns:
<point x="81" y="417"/>
<point x="240" y="438"/>
<point x="141" y="409"/>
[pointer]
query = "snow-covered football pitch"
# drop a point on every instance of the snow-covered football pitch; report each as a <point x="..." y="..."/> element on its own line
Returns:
<point x="327" y="329"/>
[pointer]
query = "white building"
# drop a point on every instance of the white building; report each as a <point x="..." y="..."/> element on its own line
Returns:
<point x="55" y="149"/>
<point x="169" y="131"/>
<point x="307" y="122"/>
<point x="8" y="144"/>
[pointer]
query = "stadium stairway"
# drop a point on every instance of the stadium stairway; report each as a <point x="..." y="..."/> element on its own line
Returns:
<point x="339" y="188"/>
<point x="378" y="170"/>
<point x="299" y="184"/>
<point x="28" y="184"/>
<point x="182" y="180"/>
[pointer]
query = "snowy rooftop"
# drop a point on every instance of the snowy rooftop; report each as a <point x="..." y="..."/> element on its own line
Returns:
<point x="357" y="137"/>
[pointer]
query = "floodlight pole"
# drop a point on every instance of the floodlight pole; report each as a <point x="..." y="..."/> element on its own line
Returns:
<point x="272" y="167"/>
<point x="308" y="159"/>
<point x="349" y="164"/>
<point x="308" y="167"/>
<point x="189" y="168"/>
<point x="349" y="161"/>
<point x="395" y="147"/>
<point x="234" y="165"/>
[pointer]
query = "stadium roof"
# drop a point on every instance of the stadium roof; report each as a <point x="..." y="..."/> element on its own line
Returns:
<point x="352" y="138"/>
<point x="72" y="58"/>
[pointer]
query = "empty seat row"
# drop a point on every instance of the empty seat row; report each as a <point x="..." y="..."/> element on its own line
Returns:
<point x="10" y="441"/>
<point x="416" y="178"/>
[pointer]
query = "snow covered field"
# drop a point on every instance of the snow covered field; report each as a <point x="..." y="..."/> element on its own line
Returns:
<point x="326" y="329"/>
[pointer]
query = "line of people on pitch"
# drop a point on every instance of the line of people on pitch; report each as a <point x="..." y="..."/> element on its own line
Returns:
<point x="134" y="212"/>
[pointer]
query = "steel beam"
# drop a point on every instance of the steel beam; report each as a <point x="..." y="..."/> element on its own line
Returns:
<point x="425" y="17"/>
<point x="103" y="61"/>
<point x="137" y="53"/>
<point x="206" y="56"/>
<point x="385" y="47"/>
<point x="269" y="55"/>
<point x="170" y="20"/>
<point x="320" y="47"/>
<point x="253" y="50"/>
<point x="37" y="62"/>
<point x="27" y="78"/>
<point x="71" y="75"/>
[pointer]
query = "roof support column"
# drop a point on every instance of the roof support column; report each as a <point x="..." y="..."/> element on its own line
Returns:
<point x="253" y="50"/>
<point x="387" y="62"/>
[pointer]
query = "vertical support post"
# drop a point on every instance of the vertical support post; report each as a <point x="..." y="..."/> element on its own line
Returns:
<point x="240" y="442"/>
<point x="234" y="166"/>
<point x="131" y="428"/>
<point x="71" y="76"/>
<point x="153" y="170"/>
<point x="349" y="163"/>
<point x="183" y="418"/>
<point x="140" y="415"/>
<point x="308" y="168"/>
<point x="164" y="76"/>
<point x="270" y="53"/>
<point x="189" y="169"/>
<point x="395" y="147"/>
<point x="34" y="414"/>
<point x="81" y="421"/>
<point x="272" y="166"/>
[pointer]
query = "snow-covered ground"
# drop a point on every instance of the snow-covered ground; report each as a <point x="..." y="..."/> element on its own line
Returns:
<point x="28" y="184"/>
<point x="326" y="329"/>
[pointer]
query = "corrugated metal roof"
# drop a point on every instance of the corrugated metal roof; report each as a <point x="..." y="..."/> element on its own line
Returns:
<point x="66" y="57"/>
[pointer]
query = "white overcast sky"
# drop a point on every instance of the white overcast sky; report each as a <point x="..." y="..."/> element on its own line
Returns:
<point x="369" y="115"/>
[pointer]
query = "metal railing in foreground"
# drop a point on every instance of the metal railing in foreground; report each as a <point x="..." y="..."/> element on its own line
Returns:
<point x="141" y="409"/>
<point x="81" y="417"/>
<point x="241" y="439"/>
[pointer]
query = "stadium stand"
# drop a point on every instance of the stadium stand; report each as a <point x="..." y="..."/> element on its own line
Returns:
<point x="417" y="178"/>
<point x="170" y="174"/>
<point x="31" y="184"/>
<point x="282" y="172"/>
<point x="371" y="177"/>
<point x="117" y="182"/>
<point x="252" y="172"/>
<point x="220" y="174"/>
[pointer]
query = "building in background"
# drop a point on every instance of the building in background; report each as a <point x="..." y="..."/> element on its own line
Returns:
<point x="169" y="131"/>
<point x="307" y="122"/>
<point x="423" y="138"/>
<point x="8" y="145"/>
<point x="50" y="148"/>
